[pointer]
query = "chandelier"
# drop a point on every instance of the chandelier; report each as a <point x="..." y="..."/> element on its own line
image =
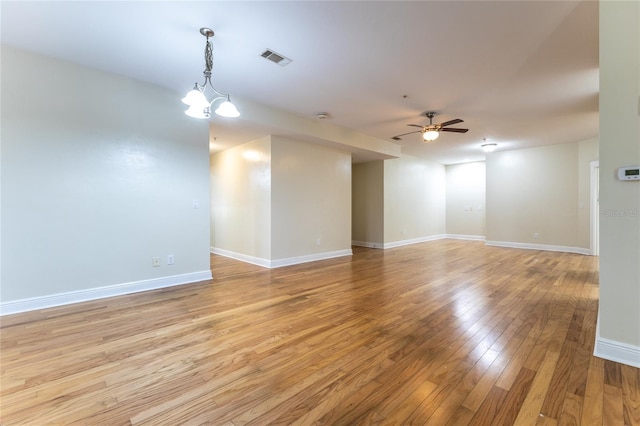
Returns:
<point x="199" y="105"/>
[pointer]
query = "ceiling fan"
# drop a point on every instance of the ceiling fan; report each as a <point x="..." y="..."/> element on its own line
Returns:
<point x="431" y="131"/>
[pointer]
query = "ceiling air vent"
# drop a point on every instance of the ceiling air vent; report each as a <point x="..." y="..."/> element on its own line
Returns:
<point x="275" y="57"/>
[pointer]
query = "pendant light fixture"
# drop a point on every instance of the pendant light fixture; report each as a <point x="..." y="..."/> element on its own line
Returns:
<point x="199" y="105"/>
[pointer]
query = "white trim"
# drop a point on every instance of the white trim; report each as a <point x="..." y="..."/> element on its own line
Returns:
<point x="612" y="350"/>
<point x="414" y="241"/>
<point x="417" y="240"/>
<point x="265" y="263"/>
<point x="310" y="258"/>
<point x="367" y="244"/>
<point x="617" y="351"/>
<point x="543" y="247"/>
<point x="466" y="237"/>
<point x="278" y="263"/>
<point x="60" y="299"/>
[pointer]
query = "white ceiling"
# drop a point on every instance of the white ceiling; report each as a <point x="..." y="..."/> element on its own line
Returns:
<point x="519" y="73"/>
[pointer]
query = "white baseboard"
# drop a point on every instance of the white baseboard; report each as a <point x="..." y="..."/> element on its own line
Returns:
<point x="414" y="241"/>
<point x="417" y="240"/>
<point x="310" y="258"/>
<point x="278" y="263"/>
<point x="465" y="237"/>
<point x="60" y="299"/>
<point x="398" y="243"/>
<point x="265" y="263"/>
<point x="617" y="351"/>
<point x="543" y="247"/>
<point x="367" y="244"/>
<point x="612" y="350"/>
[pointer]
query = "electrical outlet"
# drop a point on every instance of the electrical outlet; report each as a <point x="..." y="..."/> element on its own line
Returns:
<point x="170" y="259"/>
<point x="536" y="235"/>
<point x="155" y="261"/>
<point x="318" y="241"/>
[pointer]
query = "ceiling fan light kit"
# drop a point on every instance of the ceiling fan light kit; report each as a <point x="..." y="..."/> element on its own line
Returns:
<point x="199" y="105"/>
<point x="489" y="147"/>
<point x="431" y="131"/>
<point x="430" y="135"/>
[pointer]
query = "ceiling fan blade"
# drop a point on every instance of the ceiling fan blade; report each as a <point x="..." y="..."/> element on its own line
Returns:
<point x="450" y="129"/>
<point x="415" y="125"/>
<point x="397" y="137"/>
<point x="451" y="122"/>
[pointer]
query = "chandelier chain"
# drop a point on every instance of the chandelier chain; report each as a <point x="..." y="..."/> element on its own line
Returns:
<point x="208" y="57"/>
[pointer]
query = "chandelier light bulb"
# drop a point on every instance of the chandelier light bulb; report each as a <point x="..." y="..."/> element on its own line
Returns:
<point x="227" y="109"/>
<point x="197" y="111"/>
<point x="195" y="98"/>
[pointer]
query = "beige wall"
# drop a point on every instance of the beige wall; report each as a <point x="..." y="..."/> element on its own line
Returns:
<point x="619" y="320"/>
<point x="241" y="199"/>
<point x="587" y="153"/>
<point x="537" y="191"/>
<point x="286" y="124"/>
<point x="311" y="199"/>
<point x="368" y="203"/>
<point x="414" y="199"/>
<point x="99" y="174"/>
<point x="276" y="198"/>
<point x="465" y="205"/>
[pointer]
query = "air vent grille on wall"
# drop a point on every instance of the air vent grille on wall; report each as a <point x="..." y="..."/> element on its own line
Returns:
<point x="276" y="57"/>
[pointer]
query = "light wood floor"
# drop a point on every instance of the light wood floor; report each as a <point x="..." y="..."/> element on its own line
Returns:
<point x="445" y="332"/>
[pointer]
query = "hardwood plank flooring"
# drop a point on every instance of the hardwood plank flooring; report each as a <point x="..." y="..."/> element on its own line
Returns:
<point x="438" y="333"/>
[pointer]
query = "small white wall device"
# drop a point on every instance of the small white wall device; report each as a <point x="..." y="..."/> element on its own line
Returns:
<point x="629" y="173"/>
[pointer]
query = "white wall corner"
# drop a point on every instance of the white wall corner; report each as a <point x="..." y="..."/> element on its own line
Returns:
<point x="543" y="247"/>
<point x="60" y="299"/>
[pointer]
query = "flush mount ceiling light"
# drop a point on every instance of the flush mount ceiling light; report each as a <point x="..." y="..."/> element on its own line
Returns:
<point x="488" y="147"/>
<point x="199" y="105"/>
